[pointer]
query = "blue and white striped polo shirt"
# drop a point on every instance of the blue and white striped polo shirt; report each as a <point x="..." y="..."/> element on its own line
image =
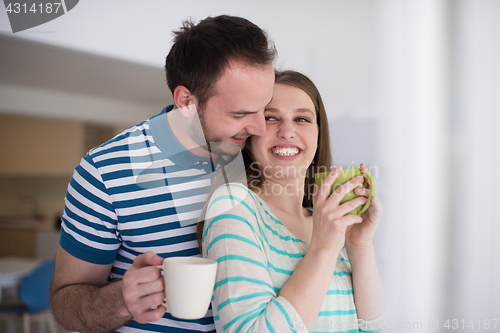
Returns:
<point x="141" y="191"/>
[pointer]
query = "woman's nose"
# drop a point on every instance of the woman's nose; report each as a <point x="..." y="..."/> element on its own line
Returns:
<point x="286" y="130"/>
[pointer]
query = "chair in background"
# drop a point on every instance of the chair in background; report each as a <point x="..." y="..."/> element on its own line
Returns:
<point x="33" y="292"/>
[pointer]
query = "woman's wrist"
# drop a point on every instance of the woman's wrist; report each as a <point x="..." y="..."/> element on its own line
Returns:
<point x="356" y="250"/>
<point x="322" y="253"/>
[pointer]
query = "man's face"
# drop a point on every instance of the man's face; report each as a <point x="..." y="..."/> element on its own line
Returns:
<point x="236" y="111"/>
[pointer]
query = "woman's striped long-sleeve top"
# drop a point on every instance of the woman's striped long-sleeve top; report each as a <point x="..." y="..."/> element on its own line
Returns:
<point x="256" y="255"/>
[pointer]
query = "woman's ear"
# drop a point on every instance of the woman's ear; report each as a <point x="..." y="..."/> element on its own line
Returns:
<point x="183" y="100"/>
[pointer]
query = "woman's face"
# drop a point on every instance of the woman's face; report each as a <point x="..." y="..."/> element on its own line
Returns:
<point x="288" y="147"/>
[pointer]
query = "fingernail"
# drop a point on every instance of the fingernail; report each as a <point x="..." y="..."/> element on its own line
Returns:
<point x="359" y="178"/>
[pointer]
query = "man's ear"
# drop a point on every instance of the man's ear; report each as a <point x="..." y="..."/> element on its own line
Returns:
<point x="183" y="100"/>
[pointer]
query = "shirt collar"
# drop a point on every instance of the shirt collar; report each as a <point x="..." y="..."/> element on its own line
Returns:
<point x="168" y="144"/>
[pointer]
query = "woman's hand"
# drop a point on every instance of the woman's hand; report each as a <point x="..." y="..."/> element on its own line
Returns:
<point x="360" y="236"/>
<point x="330" y="221"/>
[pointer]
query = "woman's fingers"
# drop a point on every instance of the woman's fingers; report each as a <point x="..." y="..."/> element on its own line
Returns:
<point x="361" y="191"/>
<point x="364" y="169"/>
<point x="348" y="206"/>
<point x="351" y="219"/>
<point x="338" y="212"/>
<point x="340" y="192"/>
<point x="377" y="205"/>
<point x="326" y="185"/>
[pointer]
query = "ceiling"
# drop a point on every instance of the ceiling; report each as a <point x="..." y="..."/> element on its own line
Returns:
<point x="35" y="65"/>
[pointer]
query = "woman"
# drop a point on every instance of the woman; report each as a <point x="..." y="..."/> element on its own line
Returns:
<point x="282" y="267"/>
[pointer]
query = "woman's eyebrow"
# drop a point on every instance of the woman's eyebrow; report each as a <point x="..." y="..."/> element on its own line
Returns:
<point x="299" y="110"/>
<point x="304" y="110"/>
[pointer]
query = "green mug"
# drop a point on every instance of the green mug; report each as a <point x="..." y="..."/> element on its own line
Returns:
<point x="344" y="177"/>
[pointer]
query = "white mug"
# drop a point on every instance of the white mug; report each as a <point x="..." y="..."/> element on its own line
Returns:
<point x="189" y="284"/>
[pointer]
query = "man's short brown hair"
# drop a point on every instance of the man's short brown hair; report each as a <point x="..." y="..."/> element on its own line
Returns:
<point x="201" y="53"/>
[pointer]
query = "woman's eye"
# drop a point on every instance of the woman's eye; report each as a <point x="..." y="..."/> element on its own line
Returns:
<point x="270" y="118"/>
<point x="302" y="119"/>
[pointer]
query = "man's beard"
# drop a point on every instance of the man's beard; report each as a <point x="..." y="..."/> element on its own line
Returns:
<point x="214" y="144"/>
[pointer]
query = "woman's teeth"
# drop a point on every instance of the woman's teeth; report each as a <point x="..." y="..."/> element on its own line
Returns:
<point x="285" y="151"/>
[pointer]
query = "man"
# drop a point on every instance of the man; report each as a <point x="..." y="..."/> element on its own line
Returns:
<point x="133" y="201"/>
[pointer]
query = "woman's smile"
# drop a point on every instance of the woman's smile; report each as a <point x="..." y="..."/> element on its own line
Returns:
<point x="283" y="151"/>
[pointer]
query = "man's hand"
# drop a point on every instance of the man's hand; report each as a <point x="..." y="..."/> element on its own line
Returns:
<point x="143" y="288"/>
<point x="84" y="300"/>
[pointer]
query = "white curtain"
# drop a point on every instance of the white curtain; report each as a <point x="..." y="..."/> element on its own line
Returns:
<point x="439" y="99"/>
<point x="474" y="275"/>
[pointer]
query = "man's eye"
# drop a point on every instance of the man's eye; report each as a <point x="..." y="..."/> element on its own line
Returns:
<point x="238" y="116"/>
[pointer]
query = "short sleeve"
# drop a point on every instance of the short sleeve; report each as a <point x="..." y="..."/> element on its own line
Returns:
<point x="89" y="224"/>
<point x="245" y="298"/>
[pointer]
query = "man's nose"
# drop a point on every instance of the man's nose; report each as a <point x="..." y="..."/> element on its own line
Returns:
<point x="257" y="125"/>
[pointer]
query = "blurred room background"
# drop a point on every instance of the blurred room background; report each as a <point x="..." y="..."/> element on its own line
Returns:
<point x="411" y="87"/>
